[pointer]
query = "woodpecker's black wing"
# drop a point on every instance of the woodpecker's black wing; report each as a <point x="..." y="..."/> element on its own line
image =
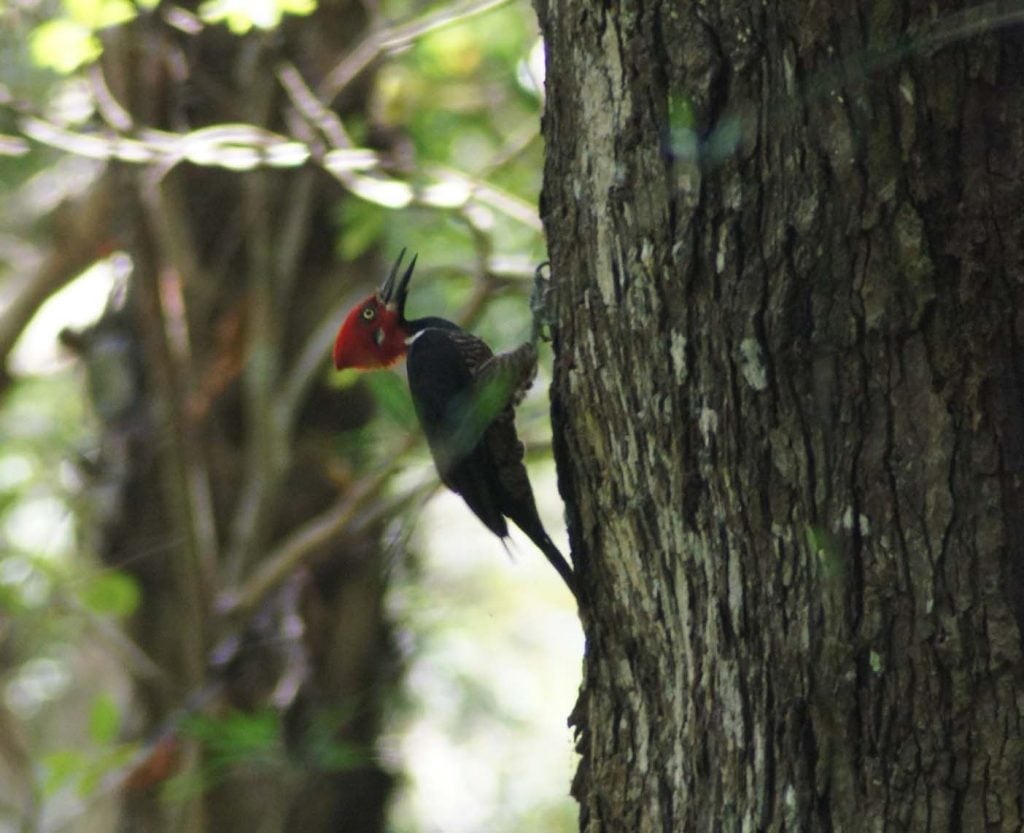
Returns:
<point x="440" y="365"/>
<point x="464" y="397"/>
<point x="509" y="374"/>
<point x="506" y="453"/>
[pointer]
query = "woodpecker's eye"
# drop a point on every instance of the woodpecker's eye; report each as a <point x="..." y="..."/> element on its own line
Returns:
<point x="369" y="313"/>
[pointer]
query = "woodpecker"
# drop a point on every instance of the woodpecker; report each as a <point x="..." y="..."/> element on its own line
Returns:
<point x="464" y="396"/>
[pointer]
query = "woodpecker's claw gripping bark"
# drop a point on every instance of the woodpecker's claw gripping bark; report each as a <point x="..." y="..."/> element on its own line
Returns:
<point x="542" y="320"/>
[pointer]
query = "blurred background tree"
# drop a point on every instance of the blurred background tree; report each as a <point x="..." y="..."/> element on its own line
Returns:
<point x="207" y="605"/>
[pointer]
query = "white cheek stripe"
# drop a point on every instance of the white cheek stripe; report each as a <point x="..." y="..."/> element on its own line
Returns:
<point x="378" y="337"/>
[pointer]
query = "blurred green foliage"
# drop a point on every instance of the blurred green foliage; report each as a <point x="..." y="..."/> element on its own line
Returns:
<point x="112" y="593"/>
<point x="70" y="39"/>
<point x="464" y="99"/>
<point x="252" y="739"/>
<point x="82" y="770"/>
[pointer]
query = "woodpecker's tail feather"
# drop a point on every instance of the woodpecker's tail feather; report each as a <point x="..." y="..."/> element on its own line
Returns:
<point x="554" y="555"/>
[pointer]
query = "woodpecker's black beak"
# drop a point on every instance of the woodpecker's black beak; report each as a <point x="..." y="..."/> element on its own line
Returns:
<point x="392" y="293"/>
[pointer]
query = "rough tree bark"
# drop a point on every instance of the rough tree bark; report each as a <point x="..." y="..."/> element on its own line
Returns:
<point x="788" y="248"/>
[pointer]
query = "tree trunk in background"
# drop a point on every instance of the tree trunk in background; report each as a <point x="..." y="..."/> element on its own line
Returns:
<point x="788" y="255"/>
<point x="232" y="273"/>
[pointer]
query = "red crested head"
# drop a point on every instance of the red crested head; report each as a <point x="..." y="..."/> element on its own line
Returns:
<point x="373" y="334"/>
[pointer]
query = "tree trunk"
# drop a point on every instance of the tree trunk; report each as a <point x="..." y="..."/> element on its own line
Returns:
<point x="788" y="255"/>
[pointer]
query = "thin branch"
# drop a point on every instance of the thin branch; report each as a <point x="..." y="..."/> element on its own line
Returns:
<point x="516" y="144"/>
<point x="128" y="652"/>
<point x="508" y="204"/>
<point x="449" y="14"/>
<point x="397" y="37"/>
<point x="243" y="147"/>
<point x="349" y="68"/>
<point x="109" y="107"/>
<point x="308" y="539"/>
<point x="312" y="109"/>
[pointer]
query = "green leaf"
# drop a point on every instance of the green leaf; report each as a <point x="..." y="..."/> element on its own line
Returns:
<point x="96" y="14"/>
<point x="185" y="785"/>
<point x="63" y="45"/>
<point x="60" y="768"/>
<point x="392" y="396"/>
<point x="90" y="779"/>
<point x="298" y="7"/>
<point x="238" y="19"/>
<point x="104" y="719"/>
<point x="237" y="738"/>
<point x="241" y="15"/>
<point x="454" y="49"/>
<point x="112" y="593"/>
